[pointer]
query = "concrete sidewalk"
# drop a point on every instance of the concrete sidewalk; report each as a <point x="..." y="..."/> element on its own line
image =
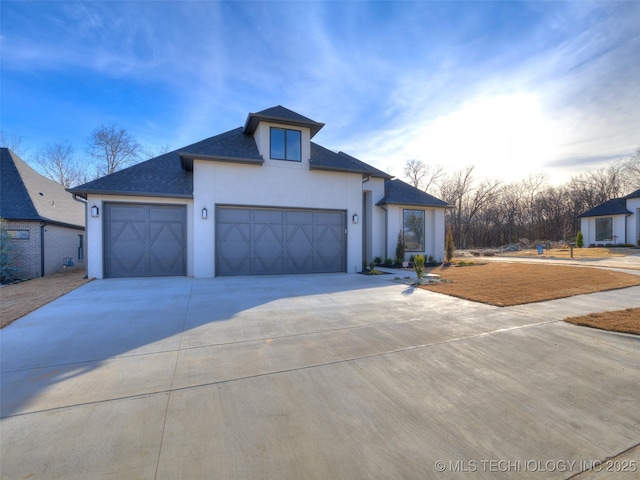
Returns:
<point x="312" y="376"/>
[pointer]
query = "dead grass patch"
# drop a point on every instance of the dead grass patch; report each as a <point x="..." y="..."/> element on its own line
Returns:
<point x="506" y="284"/>
<point x="577" y="253"/>
<point x="625" y="321"/>
<point x="25" y="297"/>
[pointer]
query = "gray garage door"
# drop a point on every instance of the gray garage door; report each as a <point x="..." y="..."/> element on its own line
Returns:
<point x="255" y="241"/>
<point x="144" y="240"/>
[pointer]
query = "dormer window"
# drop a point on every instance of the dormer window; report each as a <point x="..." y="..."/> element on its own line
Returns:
<point x="286" y="144"/>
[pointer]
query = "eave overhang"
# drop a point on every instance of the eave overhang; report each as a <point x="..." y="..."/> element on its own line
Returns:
<point x="255" y="118"/>
<point x="364" y="173"/>
<point x="186" y="160"/>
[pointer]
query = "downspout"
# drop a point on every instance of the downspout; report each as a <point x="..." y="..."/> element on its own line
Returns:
<point x="86" y="242"/>
<point x="42" y="230"/>
<point x="386" y="230"/>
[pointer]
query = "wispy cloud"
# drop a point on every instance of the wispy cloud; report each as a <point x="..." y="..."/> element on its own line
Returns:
<point x="499" y="84"/>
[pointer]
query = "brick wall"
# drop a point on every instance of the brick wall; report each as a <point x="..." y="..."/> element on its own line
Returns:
<point x="59" y="242"/>
<point x="26" y="252"/>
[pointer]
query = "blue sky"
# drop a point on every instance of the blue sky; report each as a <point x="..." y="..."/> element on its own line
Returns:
<point x="511" y="87"/>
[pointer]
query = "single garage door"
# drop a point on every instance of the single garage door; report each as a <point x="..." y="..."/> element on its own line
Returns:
<point x="144" y="240"/>
<point x="257" y="241"/>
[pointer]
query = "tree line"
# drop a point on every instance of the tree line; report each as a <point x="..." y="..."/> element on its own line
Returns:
<point x="490" y="213"/>
<point x="108" y="148"/>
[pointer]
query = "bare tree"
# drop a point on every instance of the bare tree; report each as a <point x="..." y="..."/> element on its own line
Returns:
<point x="631" y="169"/>
<point x="14" y="142"/>
<point x="57" y="162"/>
<point x="150" y="152"/>
<point x="421" y="175"/>
<point x="113" y="148"/>
<point x="414" y="170"/>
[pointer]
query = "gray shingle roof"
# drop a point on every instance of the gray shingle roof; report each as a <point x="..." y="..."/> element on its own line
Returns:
<point x="616" y="206"/>
<point x="398" y="192"/>
<point x="170" y="174"/>
<point x="635" y="194"/>
<point x="325" y="159"/>
<point x="280" y="114"/>
<point x="27" y="195"/>
<point x="160" y="176"/>
<point x="231" y="146"/>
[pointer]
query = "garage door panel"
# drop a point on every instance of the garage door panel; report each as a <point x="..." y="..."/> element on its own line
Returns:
<point x="144" y="240"/>
<point x="275" y="241"/>
<point x="233" y="247"/>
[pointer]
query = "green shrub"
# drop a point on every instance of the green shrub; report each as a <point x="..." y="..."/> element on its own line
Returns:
<point x="388" y="262"/>
<point x="579" y="239"/>
<point x="377" y="260"/>
<point x="449" y="247"/>
<point x="418" y="266"/>
<point x="400" y="247"/>
<point x="7" y="257"/>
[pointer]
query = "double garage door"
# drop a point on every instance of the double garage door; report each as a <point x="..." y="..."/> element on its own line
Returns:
<point x="144" y="240"/>
<point x="256" y="241"/>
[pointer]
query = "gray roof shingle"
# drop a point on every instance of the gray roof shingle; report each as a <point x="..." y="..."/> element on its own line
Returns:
<point x="160" y="176"/>
<point x="325" y="159"/>
<point x="635" y="194"/>
<point x="398" y="192"/>
<point x="231" y="146"/>
<point x="27" y="195"/>
<point x="616" y="206"/>
<point x="280" y="114"/>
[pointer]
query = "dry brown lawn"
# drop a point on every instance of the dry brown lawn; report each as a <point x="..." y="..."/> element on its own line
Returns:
<point x="21" y="298"/>
<point x="625" y="321"/>
<point x="506" y="284"/>
<point x="577" y="253"/>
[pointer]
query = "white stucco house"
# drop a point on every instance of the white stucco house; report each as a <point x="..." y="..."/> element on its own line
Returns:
<point x="615" y="221"/>
<point x="259" y="199"/>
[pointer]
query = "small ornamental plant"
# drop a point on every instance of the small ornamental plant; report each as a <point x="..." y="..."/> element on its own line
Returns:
<point x="579" y="239"/>
<point x="449" y="246"/>
<point x="418" y="266"/>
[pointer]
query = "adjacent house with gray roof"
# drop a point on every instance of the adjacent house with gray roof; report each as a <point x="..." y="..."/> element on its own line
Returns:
<point x="44" y="222"/>
<point x="616" y="221"/>
<point x="259" y="199"/>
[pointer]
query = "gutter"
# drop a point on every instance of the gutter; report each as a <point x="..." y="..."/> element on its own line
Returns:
<point x="386" y="230"/>
<point x="42" y="229"/>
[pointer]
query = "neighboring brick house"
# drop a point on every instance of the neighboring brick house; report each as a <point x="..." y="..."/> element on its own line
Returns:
<point x="45" y="223"/>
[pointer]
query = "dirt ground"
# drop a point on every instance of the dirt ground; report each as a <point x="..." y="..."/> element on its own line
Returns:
<point x="19" y="299"/>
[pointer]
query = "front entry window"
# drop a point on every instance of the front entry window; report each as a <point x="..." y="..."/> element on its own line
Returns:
<point x="604" y="229"/>
<point x="413" y="230"/>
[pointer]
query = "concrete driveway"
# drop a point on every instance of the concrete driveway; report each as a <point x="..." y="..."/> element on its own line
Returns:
<point x="313" y="376"/>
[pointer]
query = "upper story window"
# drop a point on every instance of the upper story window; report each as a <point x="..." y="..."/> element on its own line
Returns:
<point x="286" y="144"/>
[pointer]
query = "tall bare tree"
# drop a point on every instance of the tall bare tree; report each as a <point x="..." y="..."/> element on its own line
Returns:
<point x="631" y="168"/>
<point x="14" y="142"/>
<point x="421" y="175"/>
<point x="113" y="148"/>
<point x="57" y="161"/>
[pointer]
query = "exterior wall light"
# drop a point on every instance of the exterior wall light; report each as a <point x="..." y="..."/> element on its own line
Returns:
<point x="205" y="213"/>
<point x="354" y="218"/>
<point x="95" y="211"/>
